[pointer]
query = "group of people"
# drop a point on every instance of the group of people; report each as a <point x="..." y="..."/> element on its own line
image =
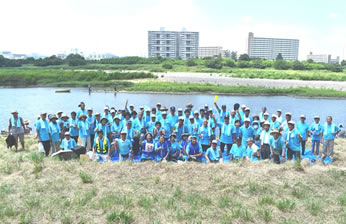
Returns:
<point x="170" y="134"/>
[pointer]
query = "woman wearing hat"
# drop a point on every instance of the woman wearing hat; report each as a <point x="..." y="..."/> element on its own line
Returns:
<point x="116" y="128"/>
<point x="277" y="147"/>
<point x="42" y="131"/>
<point x="16" y="128"/>
<point x="64" y="125"/>
<point x="293" y="139"/>
<point x="303" y="129"/>
<point x="148" y="148"/>
<point x="54" y="130"/>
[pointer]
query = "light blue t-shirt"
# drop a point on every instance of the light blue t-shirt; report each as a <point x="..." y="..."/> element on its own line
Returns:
<point x="124" y="146"/>
<point x="246" y="133"/>
<point x="206" y="133"/>
<point x="227" y="131"/>
<point x="68" y="145"/>
<point x="302" y="129"/>
<point x="83" y="129"/>
<point x="43" y="128"/>
<point x="213" y="154"/>
<point x="293" y="140"/>
<point x="329" y="131"/>
<point x="317" y="130"/>
<point x="238" y="151"/>
<point x="54" y="130"/>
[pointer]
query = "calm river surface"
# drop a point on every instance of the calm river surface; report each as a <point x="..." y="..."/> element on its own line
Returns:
<point x="31" y="101"/>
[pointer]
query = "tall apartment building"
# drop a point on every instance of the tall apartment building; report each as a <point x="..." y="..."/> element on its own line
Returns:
<point x="269" y="48"/>
<point x="204" y="52"/>
<point x="323" y="58"/>
<point x="172" y="44"/>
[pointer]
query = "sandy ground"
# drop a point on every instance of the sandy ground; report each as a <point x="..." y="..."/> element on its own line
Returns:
<point x="216" y="78"/>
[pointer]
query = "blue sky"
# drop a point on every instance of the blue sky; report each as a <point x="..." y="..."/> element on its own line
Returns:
<point x="120" y="26"/>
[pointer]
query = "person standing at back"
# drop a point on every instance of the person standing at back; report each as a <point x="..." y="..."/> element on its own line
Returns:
<point x="330" y="131"/>
<point x="264" y="138"/>
<point x="303" y="129"/>
<point x="42" y="130"/>
<point x="316" y="133"/>
<point x="16" y="128"/>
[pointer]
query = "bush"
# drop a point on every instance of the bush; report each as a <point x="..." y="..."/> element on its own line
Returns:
<point x="335" y="68"/>
<point x="258" y="64"/>
<point x="214" y="63"/>
<point x="281" y="65"/>
<point x="297" y="65"/>
<point x="167" y="66"/>
<point x="190" y="62"/>
<point x="243" y="64"/>
<point x="230" y="63"/>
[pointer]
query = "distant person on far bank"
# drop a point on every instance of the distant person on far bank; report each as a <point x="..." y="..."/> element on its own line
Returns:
<point x="16" y="128"/>
<point x="330" y="131"/>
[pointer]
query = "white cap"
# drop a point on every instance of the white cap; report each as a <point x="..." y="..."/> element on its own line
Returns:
<point x="141" y="107"/>
<point x="180" y="109"/>
<point x="131" y="105"/>
<point x="158" y="104"/>
<point x="247" y="109"/>
<point x="289" y="113"/>
<point x="106" y="108"/>
<point x="164" y="113"/>
<point x="181" y="118"/>
<point x="279" y="110"/>
<point x="266" y="123"/>
<point x="191" y="117"/>
<point x="206" y="105"/>
<point x="214" y="142"/>
<point x="274" y="115"/>
<point x="90" y="109"/>
<point x="112" y="111"/>
<point x="302" y="116"/>
<point x="291" y="122"/>
<point x="243" y="106"/>
<point x="246" y="120"/>
<point x="266" y="114"/>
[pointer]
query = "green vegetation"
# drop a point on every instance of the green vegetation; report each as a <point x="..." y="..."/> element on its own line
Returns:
<point x="205" y="88"/>
<point x="86" y="178"/>
<point x="31" y="77"/>
<point x="242" y="192"/>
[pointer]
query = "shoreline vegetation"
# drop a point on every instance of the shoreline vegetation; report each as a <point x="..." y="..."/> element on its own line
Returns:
<point x="34" y="188"/>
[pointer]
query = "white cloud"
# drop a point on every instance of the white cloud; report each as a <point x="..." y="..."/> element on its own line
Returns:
<point x="333" y="15"/>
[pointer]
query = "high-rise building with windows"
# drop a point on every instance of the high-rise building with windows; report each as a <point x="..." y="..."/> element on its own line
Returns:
<point x="172" y="44"/>
<point x="204" y="52"/>
<point x="323" y="58"/>
<point x="269" y="48"/>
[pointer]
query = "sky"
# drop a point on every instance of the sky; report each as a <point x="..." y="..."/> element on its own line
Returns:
<point x="121" y="27"/>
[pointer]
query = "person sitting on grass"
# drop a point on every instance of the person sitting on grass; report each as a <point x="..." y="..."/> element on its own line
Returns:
<point x="293" y="139"/>
<point x="161" y="149"/>
<point x="252" y="150"/>
<point x="277" y="147"/>
<point x="101" y="148"/>
<point x="174" y="149"/>
<point x="238" y="151"/>
<point x="148" y="147"/>
<point x="194" y="150"/>
<point x="68" y="143"/>
<point x="213" y="154"/>
<point x="124" y="147"/>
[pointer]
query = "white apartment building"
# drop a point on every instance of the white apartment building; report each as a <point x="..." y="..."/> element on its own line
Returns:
<point x="172" y="44"/>
<point x="323" y="58"/>
<point x="204" y="52"/>
<point x="269" y="48"/>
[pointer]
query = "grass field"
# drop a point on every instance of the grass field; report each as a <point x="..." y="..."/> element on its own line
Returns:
<point x="34" y="189"/>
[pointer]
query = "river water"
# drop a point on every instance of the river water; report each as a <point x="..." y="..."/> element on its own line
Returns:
<point x="31" y="101"/>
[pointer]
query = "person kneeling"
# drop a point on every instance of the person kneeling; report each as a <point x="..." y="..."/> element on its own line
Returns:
<point x="277" y="147"/>
<point x="124" y="147"/>
<point x="194" y="150"/>
<point x="101" y="148"/>
<point x="238" y="151"/>
<point x="213" y="154"/>
<point x="174" y="149"/>
<point x="68" y="143"/>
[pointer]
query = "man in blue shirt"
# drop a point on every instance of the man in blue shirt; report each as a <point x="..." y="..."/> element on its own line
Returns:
<point x="246" y="132"/>
<point x="227" y="132"/>
<point x="67" y="143"/>
<point x="42" y="131"/>
<point x="84" y="132"/>
<point x="124" y="147"/>
<point x="277" y="147"/>
<point x="303" y="129"/>
<point x="330" y="130"/>
<point x="205" y="135"/>
<point x="238" y="151"/>
<point x="81" y="110"/>
<point x="316" y="130"/>
<point x="92" y="124"/>
<point x="293" y="139"/>
<point x="213" y="154"/>
<point x="194" y="150"/>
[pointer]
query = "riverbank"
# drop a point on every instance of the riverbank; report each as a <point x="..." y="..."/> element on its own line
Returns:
<point x="36" y="189"/>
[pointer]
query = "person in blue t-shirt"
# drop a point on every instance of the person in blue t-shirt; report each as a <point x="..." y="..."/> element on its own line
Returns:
<point x="161" y="149"/>
<point x="277" y="147"/>
<point x="238" y="151"/>
<point x="124" y="147"/>
<point x="227" y="134"/>
<point x="293" y="139"/>
<point x="148" y="147"/>
<point x="174" y="149"/>
<point x="316" y="130"/>
<point x="330" y="131"/>
<point x="246" y="132"/>
<point x="303" y="129"/>
<point x="54" y="130"/>
<point x="205" y="135"/>
<point x="42" y="131"/>
<point x="73" y="124"/>
<point x="67" y="143"/>
<point x="194" y="150"/>
<point x="213" y="154"/>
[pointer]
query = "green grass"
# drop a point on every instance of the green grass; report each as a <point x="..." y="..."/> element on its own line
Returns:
<point x="155" y="86"/>
<point x="286" y="205"/>
<point x="85" y="177"/>
<point x="120" y="217"/>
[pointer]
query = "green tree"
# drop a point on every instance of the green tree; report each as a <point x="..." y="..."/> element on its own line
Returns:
<point x="297" y="65"/>
<point x="335" y="68"/>
<point x="227" y="53"/>
<point x="343" y="63"/>
<point x="190" y="62"/>
<point x="214" y="63"/>
<point x="230" y="63"/>
<point x="167" y="65"/>
<point x="234" y="55"/>
<point x="243" y="64"/>
<point x="258" y="63"/>
<point x="310" y="61"/>
<point x="281" y="65"/>
<point x="244" y="57"/>
<point x="279" y="57"/>
<point x="75" y="60"/>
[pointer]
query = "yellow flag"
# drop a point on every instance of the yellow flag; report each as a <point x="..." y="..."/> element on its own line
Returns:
<point x="215" y="99"/>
